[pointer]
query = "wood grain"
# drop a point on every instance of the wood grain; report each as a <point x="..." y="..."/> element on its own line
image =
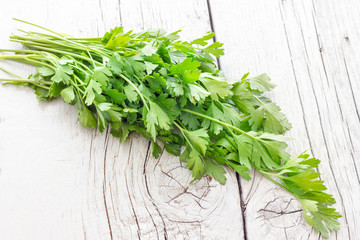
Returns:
<point x="305" y="46"/>
<point x="60" y="181"/>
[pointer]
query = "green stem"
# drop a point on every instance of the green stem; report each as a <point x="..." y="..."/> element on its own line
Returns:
<point x="178" y="126"/>
<point x="39" y="63"/>
<point x="258" y="99"/>
<point x="46" y="29"/>
<point x="29" y="43"/>
<point x="86" y="39"/>
<point x="79" y="80"/>
<point x="18" y="51"/>
<point x="75" y="85"/>
<point x="32" y="24"/>
<point x="267" y="173"/>
<point x="66" y="53"/>
<point x="184" y="135"/>
<point x="221" y="123"/>
<point x="16" y="56"/>
<point x="23" y="80"/>
<point x="271" y="179"/>
<point x="11" y="73"/>
<point x="91" y="58"/>
<point x="58" y="34"/>
<point x="277" y="183"/>
<point x="43" y="40"/>
<point x="25" y="59"/>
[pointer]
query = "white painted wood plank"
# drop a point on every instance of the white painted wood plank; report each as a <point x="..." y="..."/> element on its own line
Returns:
<point x="178" y="209"/>
<point x="306" y="48"/>
<point x="60" y="181"/>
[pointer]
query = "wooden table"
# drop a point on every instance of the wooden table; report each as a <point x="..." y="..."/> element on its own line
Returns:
<point x="60" y="181"/>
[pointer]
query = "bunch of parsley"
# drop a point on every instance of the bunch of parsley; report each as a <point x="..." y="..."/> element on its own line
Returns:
<point x="172" y="93"/>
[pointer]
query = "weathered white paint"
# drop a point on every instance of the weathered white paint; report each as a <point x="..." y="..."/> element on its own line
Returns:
<point x="60" y="181"/>
<point x="309" y="48"/>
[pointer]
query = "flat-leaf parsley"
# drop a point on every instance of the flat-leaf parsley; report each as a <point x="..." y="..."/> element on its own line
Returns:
<point x="172" y="93"/>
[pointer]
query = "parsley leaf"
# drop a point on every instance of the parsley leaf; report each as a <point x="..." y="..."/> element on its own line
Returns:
<point x="188" y="70"/>
<point x="156" y="117"/>
<point x="87" y="119"/>
<point x="68" y="94"/>
<point x="261" y="83"/>
<point x="269" y="117"/>
<point x="91" y="89"/>
<point x="62" y="74"/>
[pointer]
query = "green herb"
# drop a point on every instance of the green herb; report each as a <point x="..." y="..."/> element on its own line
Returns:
<point x="172" y="93"/>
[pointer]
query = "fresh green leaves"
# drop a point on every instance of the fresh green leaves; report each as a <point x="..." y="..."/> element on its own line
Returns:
<point x="261" y="83"/>
<point x="217" y="86"/>
<point x="269" y="117"/>
<point x="155" y="118"/>
<point x="62" y="74"/>
<point x="215" y="49"/>
<point x="299" y="177"/>
<point x="188" y="70"/>
<point x="91" y="89"/>
<point x="172" y="93"/>
<point x="68" y="94"/>
<point x="197" y="143"/>
<point x="87" y="118"/>
<point x="45" y="71"/>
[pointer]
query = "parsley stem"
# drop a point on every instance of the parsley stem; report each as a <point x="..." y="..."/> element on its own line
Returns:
<point x="16" y="56"/>
<point x="27" y="43"/>
<point x="72" y="83"/>
<point x="46" y="42"/>
<point x="220" y="122"/>
<point x="26" y="81"/>
<point x="66" y="53"/>
<point x="184" y="135"/>
<point x="79" y="80"/>
<point x="276" y="182"/>
<point x="25" y="59"/>
<point x="86" y="39"/>
<point x="178" y="126"/>
<point x="32" y="24"/>
<point x="9" y="72"/>
<point x="271" y="179"/>
<point x="18" y="50"/>
<point x="91" y="58"/>
<point x="58" y="34"/>
<point x="43" y="41"/>
<point x="258" y="99"/>
<point x="84" y="66"/>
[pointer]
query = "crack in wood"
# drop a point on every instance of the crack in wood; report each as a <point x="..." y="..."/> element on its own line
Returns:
<point x="275" y="213"/>
<point x="295" y="75"/>
<point x="104" y="183"/>
<point x="322" y="129"/>
<point x="119" y="3"/>
<point x="128" y="192"/>
<point x="152" y="220"/>
<point x="242" y="205"/>
<point x="212" y="28"/>
<point x="133" y="209"/>
<point x="102" y="14"/>
<point x="148" y="191"/>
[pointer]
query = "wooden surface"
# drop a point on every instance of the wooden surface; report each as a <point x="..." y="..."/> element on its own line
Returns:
<point x="60" y="181"/>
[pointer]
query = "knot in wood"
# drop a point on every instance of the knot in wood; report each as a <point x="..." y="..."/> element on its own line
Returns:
<point x="282" y="212"/>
